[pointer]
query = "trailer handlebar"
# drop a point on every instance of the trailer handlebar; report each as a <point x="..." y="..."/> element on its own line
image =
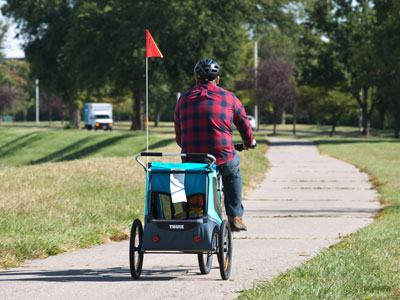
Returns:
<point x="199" y="156"/>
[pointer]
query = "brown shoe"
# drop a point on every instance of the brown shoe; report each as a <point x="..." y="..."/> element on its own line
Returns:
<point x="237" y="224"/>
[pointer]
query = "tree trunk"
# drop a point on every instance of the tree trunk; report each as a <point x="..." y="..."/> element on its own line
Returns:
<point x="366" y="125"/>
<point x="257" y="115"/>
<point x="294" y="127"/>
<point x="74" y="115"/>
<point x="138" y="110"/>
<point x="158" y="115"/>
<point x="14" y="113"/>
<point x="276" y="114"/>
<point x="382" y="113"/>
<point x="397" y="124"/>
<point x="50" y="116"/>
<point x="364" y="106"/>
<point x="275" y="117"/>
<point x="367" y="113"/>
<point x="332" y="133"/>
<point x="25" y="113"/>
<point x="294" y="116"/>
<point x="334" y="120"/>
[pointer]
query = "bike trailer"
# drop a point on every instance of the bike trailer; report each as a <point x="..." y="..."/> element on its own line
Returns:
<point x="183" y="214"/>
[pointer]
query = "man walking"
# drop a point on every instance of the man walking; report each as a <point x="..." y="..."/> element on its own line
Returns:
<point x="204" y="117"/>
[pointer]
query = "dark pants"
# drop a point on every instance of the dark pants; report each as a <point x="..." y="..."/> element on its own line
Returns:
<point x="232" y="182"/>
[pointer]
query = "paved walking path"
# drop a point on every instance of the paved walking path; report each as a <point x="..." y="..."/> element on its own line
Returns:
<point x="307" y="203"/>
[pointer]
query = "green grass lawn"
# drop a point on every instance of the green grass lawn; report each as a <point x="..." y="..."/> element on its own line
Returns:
<point x="63" y="189"/>
<point x="365" y="265"/>
<point x="23" y="146"/>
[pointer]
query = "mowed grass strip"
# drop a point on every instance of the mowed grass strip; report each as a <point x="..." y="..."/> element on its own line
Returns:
<point x="20" y="147"/>
<point x="56" y="207"/>
<point x="366" y="265"/>
<point x="53" y="207"/>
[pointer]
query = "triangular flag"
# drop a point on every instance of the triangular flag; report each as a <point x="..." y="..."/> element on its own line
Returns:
<point x="151" y="47"/>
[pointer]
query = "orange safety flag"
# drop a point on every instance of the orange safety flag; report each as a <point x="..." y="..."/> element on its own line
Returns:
<point x="151" y="47"/>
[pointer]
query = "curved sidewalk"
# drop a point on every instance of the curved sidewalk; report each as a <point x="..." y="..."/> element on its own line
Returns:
<point x="306" y="203"/>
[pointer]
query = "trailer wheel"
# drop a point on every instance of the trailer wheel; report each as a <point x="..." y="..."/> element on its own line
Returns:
<point x="225" y="250"/>
<point x="135" y="249"/>
<point x="206" y="259"/>
<point x="205" y="262"/>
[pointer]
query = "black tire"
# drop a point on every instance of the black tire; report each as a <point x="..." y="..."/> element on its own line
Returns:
<point x="225" y="250"/>
<point x="205" y="262"/>
<point x="135" y="251"/>
<point x="206" y="259"/>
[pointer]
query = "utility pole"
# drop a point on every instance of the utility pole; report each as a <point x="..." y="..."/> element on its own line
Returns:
<point x="255" y="82"/>
<point x="360" y="115"/>
<point x="37" y="102"/>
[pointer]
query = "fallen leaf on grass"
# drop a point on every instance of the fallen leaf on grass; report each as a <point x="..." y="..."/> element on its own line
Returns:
<point x="120" y="237"/>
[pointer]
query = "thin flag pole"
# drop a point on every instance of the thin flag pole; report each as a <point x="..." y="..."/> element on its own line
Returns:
<point x="147" y="104"/>
<point x="151" y="51"/>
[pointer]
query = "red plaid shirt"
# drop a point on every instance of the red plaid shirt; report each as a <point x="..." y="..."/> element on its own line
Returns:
<point x="204" y="117"/>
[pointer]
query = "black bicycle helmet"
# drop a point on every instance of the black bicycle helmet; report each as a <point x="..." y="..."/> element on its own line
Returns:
<point x="207" y="69"/>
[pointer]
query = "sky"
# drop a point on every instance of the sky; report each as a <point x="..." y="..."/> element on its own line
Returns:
<point x="11" y="46"/>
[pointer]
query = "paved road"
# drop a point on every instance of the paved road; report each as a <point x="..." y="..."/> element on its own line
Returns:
<point x="306" y="203"/>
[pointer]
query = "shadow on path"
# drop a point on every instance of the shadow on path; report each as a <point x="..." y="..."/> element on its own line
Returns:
<point x="291" y="143"/>
<point x="112" y="274"/>
<point x="99" y="275"/>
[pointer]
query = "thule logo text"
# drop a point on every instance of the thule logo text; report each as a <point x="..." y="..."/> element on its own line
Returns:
<point x="176" y="226"/>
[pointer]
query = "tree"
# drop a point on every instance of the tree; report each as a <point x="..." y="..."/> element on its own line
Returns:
<point x="8" y="96"/>
<point x="45" y="28"/>
<point x="3" y="31"/>
<point x="19" y="78"/>
<point x="51" y="103"/>
<point x="387" y="41"/>
<point x="275" y="86"/>
<point x="116" y="29"/>
<point x="349" y="27"/>
<point x="326" y="105"/>
<point x="275" y="26"/>
<point x="83" y="45"/>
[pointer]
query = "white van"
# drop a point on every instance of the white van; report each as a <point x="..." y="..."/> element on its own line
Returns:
<point x="98" y="116"/>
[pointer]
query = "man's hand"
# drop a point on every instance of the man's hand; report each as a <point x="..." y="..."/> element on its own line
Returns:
<point x="252" y="146"/>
